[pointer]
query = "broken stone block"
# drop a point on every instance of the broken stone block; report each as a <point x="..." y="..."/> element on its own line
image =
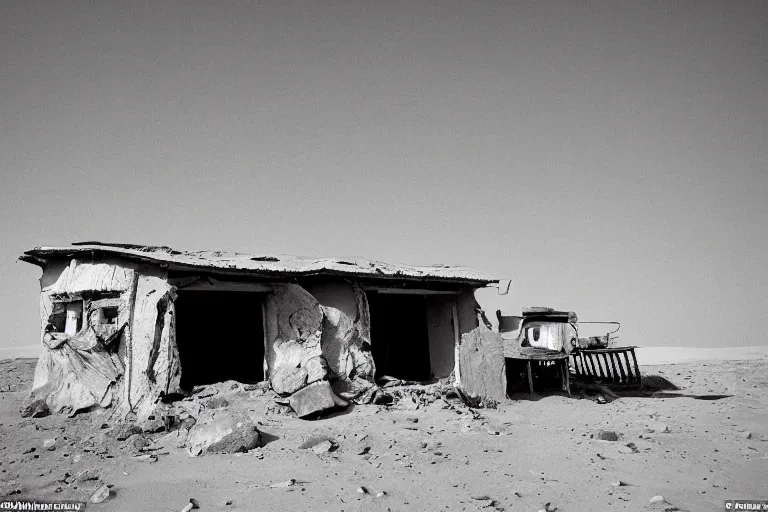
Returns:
<point x="323" y="447"/>
<point x="35" y="409"/>
<point x="314" y="441"/>
<point x="222" y="431"/>
<point x="357" y="390"/>
<point x="216" y="402"/>
<point x="607" y="435"/>
<point x="125" y="430"/>
<point x="482" y="364"/>
<point x="315" y="398"/>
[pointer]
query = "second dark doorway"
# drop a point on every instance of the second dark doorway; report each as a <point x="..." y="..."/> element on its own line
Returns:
<point x="399" y="336"/>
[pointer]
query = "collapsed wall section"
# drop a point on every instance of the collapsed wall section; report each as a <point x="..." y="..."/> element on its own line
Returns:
<point x="309" y="342"/>
<point x="152" y="357"/>
<point x="84" y="313"/>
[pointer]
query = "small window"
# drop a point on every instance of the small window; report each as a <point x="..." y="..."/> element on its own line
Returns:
<point x="109" y="316"/>
<point x="57" y="320"/>
<point x="74" y="319"/>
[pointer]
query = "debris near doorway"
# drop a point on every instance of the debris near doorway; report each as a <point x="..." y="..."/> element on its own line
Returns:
<point x="316" y="398"/>
<point x="223" y="431"/>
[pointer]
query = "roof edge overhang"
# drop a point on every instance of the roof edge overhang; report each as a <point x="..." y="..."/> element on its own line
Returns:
<point x="149" y="255"/>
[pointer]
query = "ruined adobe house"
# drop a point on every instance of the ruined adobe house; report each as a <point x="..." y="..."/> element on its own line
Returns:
<point x="124" y="325"/>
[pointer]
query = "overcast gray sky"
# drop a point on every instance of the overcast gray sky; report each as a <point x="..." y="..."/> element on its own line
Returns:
<point x="608" y="157"/>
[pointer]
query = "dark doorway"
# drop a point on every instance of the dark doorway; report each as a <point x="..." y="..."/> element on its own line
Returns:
<point x="220" y="336"/>
<point x="399" y="337"/>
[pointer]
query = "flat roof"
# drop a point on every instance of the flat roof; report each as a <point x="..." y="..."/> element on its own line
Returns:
<point x="257" y="264"/>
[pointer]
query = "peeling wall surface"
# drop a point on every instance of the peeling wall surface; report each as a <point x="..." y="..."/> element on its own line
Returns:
<point x="80" y="366"/>
<point x="483" y="368"/>
<point x="108" y="327"/>
<point x="152" y="358"/>
<point x="294" y="355"/>
<point x="309" y="342"/>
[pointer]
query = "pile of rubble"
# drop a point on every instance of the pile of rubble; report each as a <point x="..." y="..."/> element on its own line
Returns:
<point x="221" y="418"/>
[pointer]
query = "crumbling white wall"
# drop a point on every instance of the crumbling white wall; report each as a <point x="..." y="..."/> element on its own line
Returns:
<point x="294" y="329"/>
<point x="77" y="370"/>
<point x="346" y="338"/>
<point x="152" y="357"/>
<point x="309" y="341"/>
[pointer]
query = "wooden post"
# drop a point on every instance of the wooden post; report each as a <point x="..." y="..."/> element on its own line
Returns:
<point x="637" y="369"/>
<point x="599" y="366"/>
<point x="629" y="367"/>
<point x="264" y="365"/>
<point x="530" y="376"/>
<point x="621" y="370"/>
<point x="456" y="343"/>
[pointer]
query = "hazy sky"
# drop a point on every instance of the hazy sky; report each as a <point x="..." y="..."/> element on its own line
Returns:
<point x="608" y="157"/>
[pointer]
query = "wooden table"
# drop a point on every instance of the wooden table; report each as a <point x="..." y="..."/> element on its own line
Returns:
<point x="535" y="355"/>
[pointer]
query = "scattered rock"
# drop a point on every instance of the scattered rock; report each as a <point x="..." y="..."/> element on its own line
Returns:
<point x="222" y="431"/>
<point x="643" y="445"/>
<point x="362" y="490"/>
<point x="658" y="428"/>
<point x="35" y="409"/>
<point x="607" y="435"/>
<point x="381" y="494"/>
<point x="315" y="398"/>
<point x="409" y="404"/>
<point x="139" y="442"/>
<point x="28" y="450"/>
<point x="746" y="434"/>
<point x="383" y="398"/>
<point x="617" y="483"/>
<point x="125" y="430"/>
<point x="412" y="419"/>
<point x="314" y="441"/>
<point x="217" y="402"/>
<point x="657" y="499"/>
<point x="101" y="494"/>
<point x="87" y="475"/>
<point x="322" y="447"/>
<point x="50" y="444"/>
<point x="626" y="449"/>
<point x="286" y="483"/>
<point x="191" y="505"/>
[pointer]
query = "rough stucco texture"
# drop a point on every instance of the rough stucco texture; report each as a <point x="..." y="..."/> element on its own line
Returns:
<point x="482" y="363"/>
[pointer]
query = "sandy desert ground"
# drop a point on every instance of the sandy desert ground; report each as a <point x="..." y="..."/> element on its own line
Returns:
<point x="697" y="446"/>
